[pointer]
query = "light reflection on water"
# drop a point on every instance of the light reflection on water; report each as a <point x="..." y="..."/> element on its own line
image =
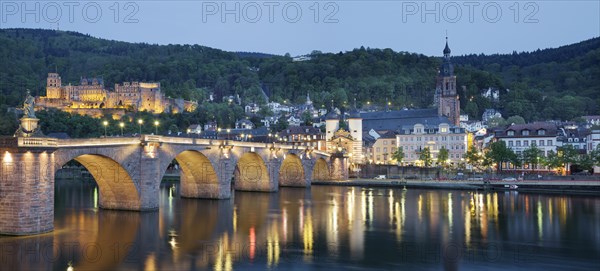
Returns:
<point x="320" y="227"/>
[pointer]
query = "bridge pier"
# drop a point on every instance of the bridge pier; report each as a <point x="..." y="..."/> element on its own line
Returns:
<point x="149" y="178"/>
<point x="339" y="167"/>
<point x="26" y="191"/>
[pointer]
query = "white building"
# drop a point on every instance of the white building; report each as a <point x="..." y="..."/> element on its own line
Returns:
<point x="414" y="139"/>
<point x="473" y="126"/>
<point x="489" y="114"/>
<point x="244" y="124"/>
<point x="519" y="137"/>
<point x="294" y="121"/>
<point x="251" y="108"/>
<point x="491" y="93"/>
<point x="593" y="142"/>
<point x="278" y="108"/>
<point x="194" y="129"/>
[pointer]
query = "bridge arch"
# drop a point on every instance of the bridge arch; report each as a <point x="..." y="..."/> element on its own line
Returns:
<point x="251" y="174"/>
<point x="198" y="178"/>
<point x="321" y="170"/>
<point x="291" y="172"/>
<point x="117" y="188"/>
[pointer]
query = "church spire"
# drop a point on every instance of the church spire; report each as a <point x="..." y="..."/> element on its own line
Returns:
<point x="447" y="49"/>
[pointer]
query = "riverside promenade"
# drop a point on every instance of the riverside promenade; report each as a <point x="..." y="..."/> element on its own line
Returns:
<point x="590" y="187"/>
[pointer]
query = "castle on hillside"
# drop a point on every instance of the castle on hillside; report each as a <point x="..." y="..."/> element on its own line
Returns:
<point x="90" y="97"/>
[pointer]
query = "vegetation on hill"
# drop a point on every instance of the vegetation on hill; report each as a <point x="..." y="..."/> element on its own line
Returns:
<point x="559" y="83"/>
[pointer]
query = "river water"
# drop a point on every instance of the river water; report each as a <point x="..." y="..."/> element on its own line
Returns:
<point x="323" y="227"/>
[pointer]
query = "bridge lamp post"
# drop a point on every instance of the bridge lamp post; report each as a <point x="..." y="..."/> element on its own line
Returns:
<point x="140" y="122"/>
<point x="156" y="123"/>
<point x="121" y="125"/>
<point x="105" y="123"/>
<point x="228" y="131"/>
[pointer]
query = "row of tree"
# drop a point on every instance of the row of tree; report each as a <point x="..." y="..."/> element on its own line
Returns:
<point x="498" y="154"/>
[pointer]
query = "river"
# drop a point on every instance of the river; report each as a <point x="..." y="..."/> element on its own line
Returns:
<point x="323" y="227"/>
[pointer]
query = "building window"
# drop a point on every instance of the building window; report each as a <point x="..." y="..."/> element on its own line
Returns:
<point x="510" y="143"/>
<point x="518" y="143"/>
<point x="385" y="142"/>
<point x="541" y="132"/>
<point x="525" y="143"/>
<point x="377" y="150"/>
<point x="549" y="142"/>
<point x="541" y="142"/>
<point x="510" y="133"/>
<point x="525" y="132"/>
<point x="385" y="149"/>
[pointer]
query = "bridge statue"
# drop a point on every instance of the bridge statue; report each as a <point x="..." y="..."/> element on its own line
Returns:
<point x="28" y="105"/>
<point x="29" y="123"/>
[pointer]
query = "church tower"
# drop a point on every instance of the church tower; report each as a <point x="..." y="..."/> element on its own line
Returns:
<point x="447" y="99"/>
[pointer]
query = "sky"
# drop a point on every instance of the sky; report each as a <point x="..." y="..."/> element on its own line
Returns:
<point x="299" y="27"/>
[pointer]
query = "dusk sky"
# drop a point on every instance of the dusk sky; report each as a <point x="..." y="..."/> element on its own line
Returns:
<point x="277" y="27"/>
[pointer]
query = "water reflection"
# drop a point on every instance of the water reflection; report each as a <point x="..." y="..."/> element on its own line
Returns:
<point x="330" y="227"/>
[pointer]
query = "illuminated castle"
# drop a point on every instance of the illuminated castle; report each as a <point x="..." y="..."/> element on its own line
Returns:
<point x="90" y="96"/>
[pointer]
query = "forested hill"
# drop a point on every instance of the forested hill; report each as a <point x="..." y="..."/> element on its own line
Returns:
<point x="559" y="83"/>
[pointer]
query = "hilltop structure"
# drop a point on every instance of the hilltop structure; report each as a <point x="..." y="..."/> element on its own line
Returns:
<point x="91" y="96"/>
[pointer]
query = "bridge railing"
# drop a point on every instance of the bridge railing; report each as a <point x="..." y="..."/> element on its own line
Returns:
<point x="98" y="141"/>
<point x="37" y="142"/>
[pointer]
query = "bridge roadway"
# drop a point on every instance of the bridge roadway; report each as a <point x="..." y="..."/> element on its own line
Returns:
<point x="128" y="172"/>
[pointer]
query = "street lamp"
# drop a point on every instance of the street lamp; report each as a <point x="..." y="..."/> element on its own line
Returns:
<point x="156" y="123"/>
<point x="105" y="123"/>
<point x="121" y="125"/>
<point x="140" y="122"/>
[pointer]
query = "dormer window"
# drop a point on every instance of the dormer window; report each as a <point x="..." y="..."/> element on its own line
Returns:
<point x="541" y="132"/>
<point x="510" y="133"/>
<point x="525" y="132"/>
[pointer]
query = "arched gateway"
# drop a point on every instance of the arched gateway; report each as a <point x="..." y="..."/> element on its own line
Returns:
<point x="128" y="172"/>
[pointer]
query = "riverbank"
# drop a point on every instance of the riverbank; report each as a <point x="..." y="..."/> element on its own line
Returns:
<point x="538" y="186"/>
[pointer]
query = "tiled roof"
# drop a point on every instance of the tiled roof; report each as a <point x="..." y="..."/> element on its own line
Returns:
<point x="550" y="129"/>
<point x="294" y="130"/>
<point x="397" y="120"/>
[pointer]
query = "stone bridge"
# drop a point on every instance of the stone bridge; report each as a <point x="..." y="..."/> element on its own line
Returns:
<point x="128" y="172"/>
